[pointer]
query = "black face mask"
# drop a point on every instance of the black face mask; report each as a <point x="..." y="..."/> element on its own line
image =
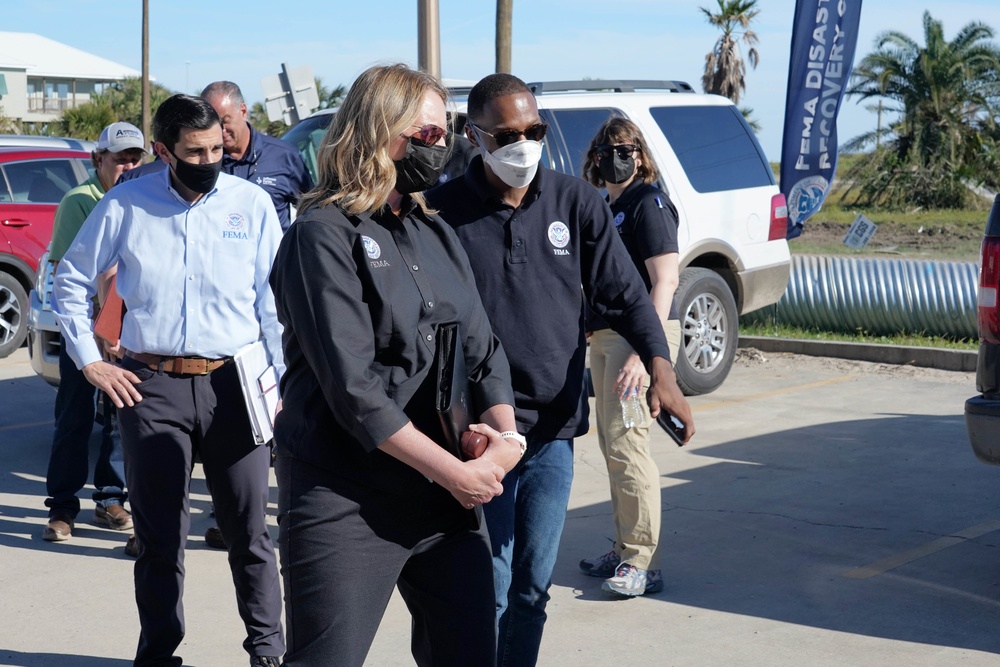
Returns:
<point x="616" y="170"/>
<point x="200" y="178"/>
<point x="421" y="167"/>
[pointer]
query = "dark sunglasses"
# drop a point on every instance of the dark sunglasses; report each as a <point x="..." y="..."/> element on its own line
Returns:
<point x="428" y="135"/>
<point x="603" y="151"/>
<point x="507" y="137"/>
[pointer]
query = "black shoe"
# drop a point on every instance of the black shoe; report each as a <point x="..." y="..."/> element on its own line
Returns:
<point x="132" y="547"/>
<point x="264" y="661"/>
<point x="213" y="538"/>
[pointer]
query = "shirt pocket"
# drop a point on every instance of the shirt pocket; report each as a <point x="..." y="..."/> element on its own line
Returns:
<point x="232" y="264"/>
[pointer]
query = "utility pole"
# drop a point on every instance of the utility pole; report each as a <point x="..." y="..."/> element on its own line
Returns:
<point x="505" y="17"/>
<point x="145" y="70"/>
<point x="428" y="38"/>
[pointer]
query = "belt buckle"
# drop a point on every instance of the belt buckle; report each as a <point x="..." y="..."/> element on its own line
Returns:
<point x="205" y="367"/>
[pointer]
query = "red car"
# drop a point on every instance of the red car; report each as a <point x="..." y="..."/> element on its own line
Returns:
<point x="32" y="182"/>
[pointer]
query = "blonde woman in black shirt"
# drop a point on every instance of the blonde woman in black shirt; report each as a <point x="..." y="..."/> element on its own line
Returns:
<point x="368" y="498"/>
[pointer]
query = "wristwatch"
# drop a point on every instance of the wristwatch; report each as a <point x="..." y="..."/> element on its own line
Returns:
<point x="518" y="438"/>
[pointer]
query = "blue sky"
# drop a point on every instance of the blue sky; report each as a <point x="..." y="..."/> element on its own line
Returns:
<point x="193" y="43"/>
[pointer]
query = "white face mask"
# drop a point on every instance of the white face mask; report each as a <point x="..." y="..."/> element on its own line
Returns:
<point x="514" y="164"/>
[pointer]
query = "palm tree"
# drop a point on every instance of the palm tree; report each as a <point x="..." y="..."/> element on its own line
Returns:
<point x="87" y="120"/>
<point x="725" y="70"/>
<point x="946" y="97"/>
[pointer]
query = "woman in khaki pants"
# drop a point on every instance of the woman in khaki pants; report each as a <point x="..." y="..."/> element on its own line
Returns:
<point x="619" y="161"/>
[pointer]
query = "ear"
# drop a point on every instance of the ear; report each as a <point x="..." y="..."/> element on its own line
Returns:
<point x="470" y="134"/>
<point x="243" y="110"/>
<point x="161" y="151"/>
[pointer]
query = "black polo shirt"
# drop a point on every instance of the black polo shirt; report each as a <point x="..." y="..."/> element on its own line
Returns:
<point x="360" y="299"/>
<point x="535" y="265"/>
<point x="647" y="223"/>
<point x="277" y="167"/>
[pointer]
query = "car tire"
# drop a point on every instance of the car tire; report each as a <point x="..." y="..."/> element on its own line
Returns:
<point x="13" y="314"/>
<point x="709" y="331"/>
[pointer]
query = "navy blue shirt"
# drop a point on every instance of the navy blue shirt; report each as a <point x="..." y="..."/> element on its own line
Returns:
<point x="277" y="167"/>
<point x="535" y="266"/>
<point x="272" y="164"/>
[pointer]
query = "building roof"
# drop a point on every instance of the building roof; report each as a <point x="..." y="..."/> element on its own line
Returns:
<point x="41" y="56"/>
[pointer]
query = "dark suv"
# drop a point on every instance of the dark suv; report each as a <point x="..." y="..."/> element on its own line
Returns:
<point x="32" y="182"/>
<point x="982" y="412"/>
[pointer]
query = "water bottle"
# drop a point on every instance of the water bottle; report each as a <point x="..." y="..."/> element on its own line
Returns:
<point x="631" y="409"/>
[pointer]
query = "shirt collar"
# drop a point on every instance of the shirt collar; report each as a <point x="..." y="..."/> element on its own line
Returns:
<point x="631" y="191"/>
<point x="250" y="155"/>
<point x="165" y="174"/>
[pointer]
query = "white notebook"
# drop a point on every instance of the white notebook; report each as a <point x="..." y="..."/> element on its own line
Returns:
<point x="259" y="382"/>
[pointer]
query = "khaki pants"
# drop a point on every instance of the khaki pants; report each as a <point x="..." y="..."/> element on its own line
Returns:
<point x="632" y="473"/>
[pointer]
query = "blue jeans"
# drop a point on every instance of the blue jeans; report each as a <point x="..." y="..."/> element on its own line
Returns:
<point x="525" y="525"/>
<point x="70" y="457"/>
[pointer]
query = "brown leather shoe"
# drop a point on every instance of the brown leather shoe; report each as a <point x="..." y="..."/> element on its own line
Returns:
<point x="213" y="538"/>
<point x="114" y="517"/>
<point x="58" y="529"/>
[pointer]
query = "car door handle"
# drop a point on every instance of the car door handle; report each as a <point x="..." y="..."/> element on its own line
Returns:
<point x="15" y="222"/>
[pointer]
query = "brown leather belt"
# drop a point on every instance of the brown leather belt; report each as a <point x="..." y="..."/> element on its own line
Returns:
<point x="179" y="365"/>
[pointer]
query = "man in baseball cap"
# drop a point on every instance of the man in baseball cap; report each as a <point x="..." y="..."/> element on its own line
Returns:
<point x="120" y="148"/>
<point x="119" y="137"/>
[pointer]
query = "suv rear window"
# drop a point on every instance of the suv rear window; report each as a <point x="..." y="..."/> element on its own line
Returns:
<point x="715" y="146"/>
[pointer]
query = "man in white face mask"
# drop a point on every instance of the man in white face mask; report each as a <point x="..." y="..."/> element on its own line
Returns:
<point x="534" y="237"/>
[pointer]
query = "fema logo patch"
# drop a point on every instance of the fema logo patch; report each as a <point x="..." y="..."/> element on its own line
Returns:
<point x="806" y="197"/>
<point x="620" y="218"/>
<point x="235" y="222"/>
<point x="559" y="234"/>
<point x="371" y="247"/>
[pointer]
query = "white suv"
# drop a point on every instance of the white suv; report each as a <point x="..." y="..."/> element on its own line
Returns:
<point x="734" y="258"/>
<point x="733" y="221"/>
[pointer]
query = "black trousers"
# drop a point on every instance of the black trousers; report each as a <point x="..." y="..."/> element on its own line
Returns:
<point x="344" y="547"/>
<point x="177" y="416"/>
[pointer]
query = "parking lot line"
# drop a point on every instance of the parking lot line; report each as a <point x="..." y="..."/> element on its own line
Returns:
<point x="15" y="427"/>
<point x="776" y="392"/>
<point x="892" y="562"/>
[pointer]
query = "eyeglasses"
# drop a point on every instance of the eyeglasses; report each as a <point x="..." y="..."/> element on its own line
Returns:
<point x="505" y="138"/>
<point x="427" y="135"/>
<point x="603" y="151"/>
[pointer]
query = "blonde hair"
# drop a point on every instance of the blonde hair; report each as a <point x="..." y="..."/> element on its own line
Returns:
<point x="354" y="170"/>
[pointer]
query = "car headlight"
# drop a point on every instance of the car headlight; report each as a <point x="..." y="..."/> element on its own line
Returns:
<point x="43" y="281"/>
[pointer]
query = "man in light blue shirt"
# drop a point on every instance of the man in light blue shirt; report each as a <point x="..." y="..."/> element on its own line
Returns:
<point x="194" y="249"/>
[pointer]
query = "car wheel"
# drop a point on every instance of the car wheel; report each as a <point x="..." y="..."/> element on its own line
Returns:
<point x="13" y="314"/>
<point x="709" y="331"/>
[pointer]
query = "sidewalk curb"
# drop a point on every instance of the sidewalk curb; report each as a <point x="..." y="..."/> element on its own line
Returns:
<point x="925" y="357"/>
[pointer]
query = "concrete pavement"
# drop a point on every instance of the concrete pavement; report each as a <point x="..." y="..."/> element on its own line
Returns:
<point x="822" y="516"/>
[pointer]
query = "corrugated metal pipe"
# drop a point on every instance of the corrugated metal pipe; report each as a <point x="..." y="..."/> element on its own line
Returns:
<point x="878" y="296"/>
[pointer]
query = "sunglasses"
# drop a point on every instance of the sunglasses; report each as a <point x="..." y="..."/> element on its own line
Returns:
<point x="507" y="137"/>
<point x="428" y="135"/>
<point x="603" y="151"/>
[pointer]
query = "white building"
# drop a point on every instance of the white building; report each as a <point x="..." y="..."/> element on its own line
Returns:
<point x="40" y="78"/>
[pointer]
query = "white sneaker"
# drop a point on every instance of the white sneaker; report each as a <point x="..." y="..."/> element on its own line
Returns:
<point x="629" y="580"/>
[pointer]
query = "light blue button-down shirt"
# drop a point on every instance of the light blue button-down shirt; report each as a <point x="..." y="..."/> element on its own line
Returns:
<point x="193" y="276"/>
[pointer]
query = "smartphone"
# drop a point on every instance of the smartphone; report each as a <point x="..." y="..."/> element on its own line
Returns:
<point x="673" y="426"/>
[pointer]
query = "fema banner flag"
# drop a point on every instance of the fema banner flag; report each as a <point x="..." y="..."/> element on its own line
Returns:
<point x="824" y="35"/>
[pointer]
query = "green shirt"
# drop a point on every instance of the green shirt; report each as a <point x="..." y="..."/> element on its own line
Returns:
<point x="74" y="208"/>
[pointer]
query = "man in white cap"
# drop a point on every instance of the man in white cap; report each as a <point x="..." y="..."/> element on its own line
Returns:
<point x="120" y="147"/>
